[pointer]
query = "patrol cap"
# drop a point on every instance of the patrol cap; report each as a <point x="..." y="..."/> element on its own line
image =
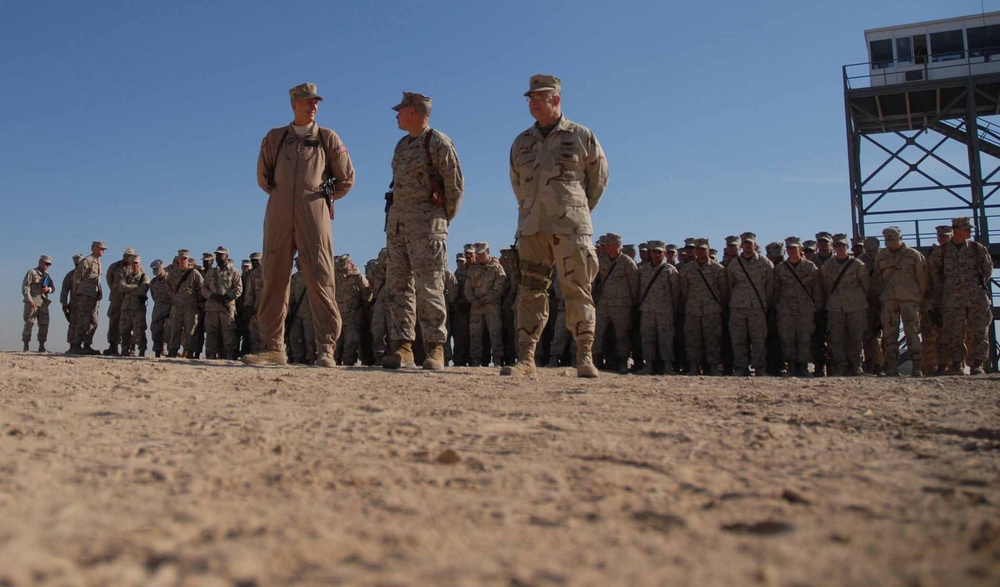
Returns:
<point x="657" y="246"/>
<point x="383" y="253"/>
<point x="793" y="241"/>
<point x="98" y="245"/>
<point x="892" y="233"/>
<point x="644" y="246"/>
<point x="701" y="243"/>
<point x="137" y="259"/>
<point x="824" y="236"/>
<point x="601" y="240"/>
<point x="245" y="262"/>
<point x="482" y="247"/>
<point x="871" y="243"/>
<point x="748" y="236"/>
<point x="613" y="239"/>
<point x="858" y="241"/>
<point x="629" y="248"/>
<point x="542" y="83"/>
<point x="961" y="222"/>
<point x="732" y="240"/>
<point x="775" y="248"/>
<point x="689" y="243"/>
<point x="671" y="247"/>
<point x="129" y="252"/>
<point x="460" y="257"/>
<point x="809" y="245"/>
<point x="841" y="239"/>
<point x="255" y="256"/>
<point x="944" y="230"/>
<point x="183" y="254"/>
<point x="413" y="99"/>
<point x="77" y="258"/>
<point x="469" y="249"/>
<point x="207" y="257"/>
<point x="221" y="250"/>
<point x="712" y="253"/>
<point x="304" y="91"/>
<point x="156" y="265"/>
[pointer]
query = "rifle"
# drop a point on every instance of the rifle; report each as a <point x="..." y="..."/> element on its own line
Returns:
<point x="329" y="187"/>
<point x="388" y="204"/>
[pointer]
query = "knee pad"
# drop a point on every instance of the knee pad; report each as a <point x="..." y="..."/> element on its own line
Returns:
<point x="535" y="276"/>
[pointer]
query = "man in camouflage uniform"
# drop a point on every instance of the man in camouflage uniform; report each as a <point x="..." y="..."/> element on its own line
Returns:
<point x="935" y="357"/>
<point x="484" y="289"/>
<point x="659" y="297"/>
<point x="222" y="286"/>
<point x="379" y="323"/>
<point x="300" y="332"/>
<point x="809" y="249"/>
<point x="87" y="294"/>
<point x="558" y="172"/>
<point x="207" y="261"/>
<point x="845" y="287"/>
<point x="900" y="277"/>
<point x="252" y="297"/>
<point x="750" y="277"/>
<point x="820" y="351"/>
<point x="729" y="252"/>
<point x="427" y="187"/>
<point x="619" y="281"/>
<point x="874" y="362"/>
<point x="463" y="306"/>
<point x="36" y="288"/>
<point x="116" y="298"/>
<point x="66" y="296"/>
<point x="295" y="162"/>
<point x="243" y="346"/>
<point x="960" y="273"/>
<point x="704" y="295"/>
<point x="508" y="304"/>
<point x="775" y="361"/>
<point x="562" y="342"/>
<point x="798" y="292"/>
<point x="185" y="282"/>
<point x="644" y="254"/>
<point x="353" y="293"/>
<point x="159" y="324"/>
<point x="134" y="287"/>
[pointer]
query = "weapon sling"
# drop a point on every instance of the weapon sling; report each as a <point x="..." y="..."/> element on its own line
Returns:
<point x="841" y="275"/>
<point x="649" y="285"/>
<point x="804" y="288"/>
<point x="710" y="290"/>
<point x="754" y="286"/>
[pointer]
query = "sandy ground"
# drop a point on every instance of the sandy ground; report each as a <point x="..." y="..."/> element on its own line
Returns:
<point x="119" y="471"/>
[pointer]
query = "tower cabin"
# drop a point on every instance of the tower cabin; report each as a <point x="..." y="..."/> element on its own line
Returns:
<point x="933" y="50"/>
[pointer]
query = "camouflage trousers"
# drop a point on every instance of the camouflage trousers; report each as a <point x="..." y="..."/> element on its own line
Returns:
<point x="159" y="326"/>
<point x="702" y="338"/>
<point x="380" y="325"/>
<point x="85" y="312"/>
<point x="488" y="318"/>
<point x="965" y="334"/>
<point x="930" y="342"/>
<point x="872" y="344"/>
<point x="620" y="319"/>
<point x="183" y="324"/>
<point x="350" y="336"/>
<point x="748" y="327"/>
<point x="561" y="341"/>
<point x="576" y="266"/>
<point x="302" y="338"/>
<point x="847" y="330"/>
<point x="39" y="314"/>
<point x="459" y="332"/>
<point x="657" y="330"/>
<point x="909" y="313"/>
<point x="220" y="327"/>
<point x="114" y="319"/>
<point x="796" y="332"/>
<point x="132" y="327"/>
<point x="820" y="348"/>
<point x="415" y="284"/>
<point x="256" y="344"/>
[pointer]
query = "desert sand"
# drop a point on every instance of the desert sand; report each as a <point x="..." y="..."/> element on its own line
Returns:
<point x="119" y="471"/>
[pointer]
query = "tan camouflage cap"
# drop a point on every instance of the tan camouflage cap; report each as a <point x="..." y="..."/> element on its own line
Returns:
<point x="98" y="245"/>
<point x="136" y="259"/>
<point x="657" y="246"/>
<point x="183" y="254"/>
<point x="628" y="248"/>
<point x="944" y="230"/>
<point x="871" y="243"/>
<point x="644" y="246"/>
<point x="775" y="248"/>
<point x="245" y="263"/>
<point x="613" y="239"/>
<point x="221" y="250"/>
<point x="824" y="236"/>
<point x="892" y="233"/>
<point x="732" y="240"/>
<point x="748" y="236"/>
<point x="671" y="247"/>
<point x="460" y="257"/>
<point x="542" y="83"/>
<point x="77" y="258"/>
<point x="413" y="99"/>
<point x="482" y="247"/>
<point x="255" y="256"/>
<point x="207" y="257"/>
<point x="156" y="265"/>
<point x="469" y="249"/>
<point x="45" y="259"/>
<point x="128" y="252"/>
<point x="809" y="245"/>
<point x="961" y="222"/>
<point x="841" y="239"/>
<point x="304" y="91"/>
<point x="701" y="243"/>
<point x="689" y="243"/>
<point x="858" y="241"/>
<point x="793" y="241"/>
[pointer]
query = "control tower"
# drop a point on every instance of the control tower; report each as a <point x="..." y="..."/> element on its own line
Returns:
<point x="923" y="133"/>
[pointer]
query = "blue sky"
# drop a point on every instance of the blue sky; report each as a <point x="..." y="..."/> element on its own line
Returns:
<point x="139" y="124"/>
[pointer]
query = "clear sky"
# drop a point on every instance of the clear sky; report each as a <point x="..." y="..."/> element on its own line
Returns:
<point x="139" y="123"/>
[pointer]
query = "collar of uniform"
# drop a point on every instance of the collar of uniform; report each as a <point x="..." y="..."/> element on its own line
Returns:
<point x="563" y="124"/>
<point x="313" y="130"/>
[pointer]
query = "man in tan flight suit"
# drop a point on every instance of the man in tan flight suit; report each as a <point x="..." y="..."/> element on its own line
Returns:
<point x="293" y="164"/>
<point x="558" y="172"/>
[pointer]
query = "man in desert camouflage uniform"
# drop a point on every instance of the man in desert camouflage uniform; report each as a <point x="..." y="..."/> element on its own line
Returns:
<point x="798" y="292"/>
<point x="66" y="296"/>
<point x="300" y="332"/>
<point x="775" y="360"/>
<point x="508" y="304"/>
<point x="484" y="289"/>
<point x="845" y="288"/>
<point x="934" y="355"/>
<point x="704" y="295"/>
<point x="659" y="296"/>
<point x="750" y="277"/>
<point x="558" y="172"/>
<point x="243" y="346"/>
<point x="809" y="249"/>
<point x="562" y="342"/>
<point x="36" y="287"/>
<point x="820" y="351"/>
<point x="353" y="293"/>
<point x="460" y="314"/>
<point x="116" y="298"/>
<point x="874" y="362"/>
<point x="900" y="277"/>
<point x="222" y="286"/>
<point x="87" y="294"/>
<point x="426" y="195"/>
<point x="619" y="281"/>
<point x="185" y="283"/>
<point x="960" y="273"/>
<point x="159" y="324"/>
<point x="252" y="299"/>
<point x="134" y="287"/>
<point x="729" y="252"/>
<point x="379" y="323"/>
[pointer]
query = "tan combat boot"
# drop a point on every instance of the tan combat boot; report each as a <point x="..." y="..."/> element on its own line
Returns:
<point x="525" y="365"/>
<point x="265" y="358"/>
<point x="585" y="360"/>
<point x="324" y="356"/>
<point x="401" y="355"/>
<point x="435" y="356"/>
